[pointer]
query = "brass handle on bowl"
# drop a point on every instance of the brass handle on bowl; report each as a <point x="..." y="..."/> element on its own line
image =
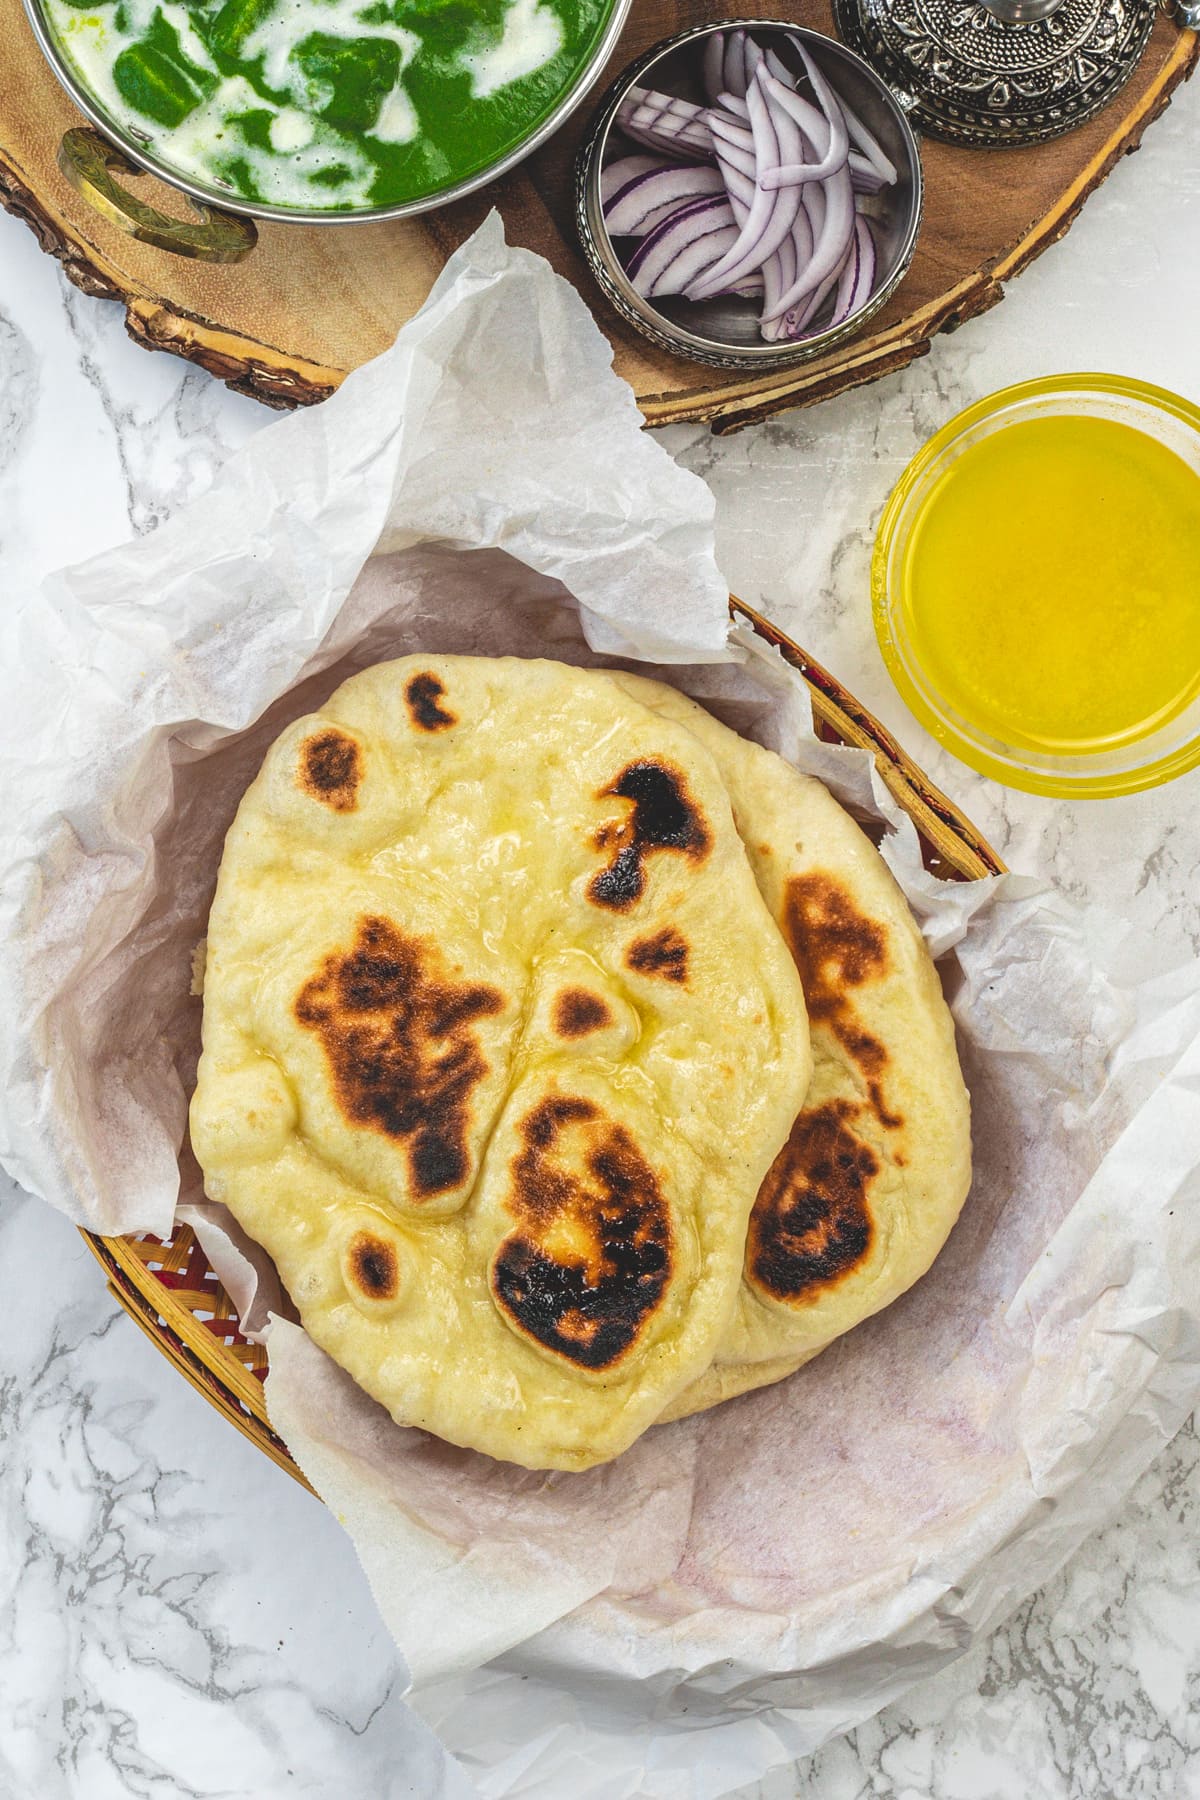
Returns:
<point x="91" y="164"/>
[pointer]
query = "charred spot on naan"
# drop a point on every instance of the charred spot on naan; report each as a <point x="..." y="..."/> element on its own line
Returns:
<point x="372" y="1267"/>
<point x="587" y="1267"/>
<point x="577" y="1011"/>
<point x="423" y="696"/>
<point x="664" y="953"/>
<point x="664" y="817"/>
<point x="837" y="949"/>
<point x="811" y="1223"/>
<point x="330" y="769"/>
<point x="395" y="1027"/>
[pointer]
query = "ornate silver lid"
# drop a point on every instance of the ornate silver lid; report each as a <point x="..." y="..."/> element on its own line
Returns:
<point x="996" y="73"/>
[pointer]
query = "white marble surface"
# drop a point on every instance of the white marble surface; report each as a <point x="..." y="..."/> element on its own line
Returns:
<point x="148" y="1645"/>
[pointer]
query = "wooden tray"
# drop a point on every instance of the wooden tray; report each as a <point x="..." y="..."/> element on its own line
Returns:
<point x="311" y="303"/>
<point x="169" y="1288"/>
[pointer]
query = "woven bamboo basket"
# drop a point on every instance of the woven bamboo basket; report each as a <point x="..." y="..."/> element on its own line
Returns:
<point x="168" y="1287"/>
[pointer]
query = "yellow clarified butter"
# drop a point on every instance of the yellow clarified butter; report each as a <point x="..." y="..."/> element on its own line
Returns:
<point x="1051" y="585"/>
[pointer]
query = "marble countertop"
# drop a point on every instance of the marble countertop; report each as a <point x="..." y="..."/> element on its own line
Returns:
<point x="148" y="1647"/>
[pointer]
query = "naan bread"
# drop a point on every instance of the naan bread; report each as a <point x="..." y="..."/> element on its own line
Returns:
<point x="500" y="1041"/>
<point x="878" y="1162"/>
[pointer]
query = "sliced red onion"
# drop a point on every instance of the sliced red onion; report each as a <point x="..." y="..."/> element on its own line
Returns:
<point x="750" y="289"/>
<point x="833" y="241"/>
<point x="739" y="183"/>
<point x="791" y="174"/>
<point x="779" y="271"/>
<point x="843" y="300"/>
<point x="798" y="320"/>
<point x="754" y="60"/>
<point x="619" y="174"/>
<point x="771" y="215"/>
<point x="648" y="129"/>
<point x="866" y="179"/>
<point x="745" y="62"/>
<point x="788" y="135"/>
<point x="670" y="105"/>
<point x="647" y="200"/>
<point x="826" y="99"/>
<point x="870" y="146"/>
<point x="810" y="118"/>
<point x="673" y="125"/>
<point x="812" y="199"/>
<point x="855" y="285"/>
<point x="732" y="151"/>
<point x="868" y="266"/>
<point x="734" y="133"/>
<point x="665" y="123"/>
<point x="682" y="247"/>
<point x="794" y="255"/>
<point x="691" y="259"/>
<point x="715" y="51"/>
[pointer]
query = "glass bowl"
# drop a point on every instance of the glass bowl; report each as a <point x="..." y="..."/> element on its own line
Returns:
<point x="1112" y="768"/>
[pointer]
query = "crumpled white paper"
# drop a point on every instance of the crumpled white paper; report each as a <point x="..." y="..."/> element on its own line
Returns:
<point x="738" y="1588"/>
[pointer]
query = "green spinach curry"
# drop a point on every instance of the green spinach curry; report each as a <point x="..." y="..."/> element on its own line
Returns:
<point x="328" y="105"/>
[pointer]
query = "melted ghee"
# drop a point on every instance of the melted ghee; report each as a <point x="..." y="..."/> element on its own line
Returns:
<point x="1052" y="584"/>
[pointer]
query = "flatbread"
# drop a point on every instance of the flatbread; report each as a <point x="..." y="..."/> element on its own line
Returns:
<point x="878" y="1162"/>
<point x="500" y="1040"/>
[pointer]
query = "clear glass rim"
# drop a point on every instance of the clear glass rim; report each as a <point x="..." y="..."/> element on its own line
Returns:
<point x="1017" y="769"/>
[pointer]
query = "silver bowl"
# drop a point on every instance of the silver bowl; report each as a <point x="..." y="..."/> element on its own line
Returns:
<point x="724" y="332"/>
<point x="90" y="160"/>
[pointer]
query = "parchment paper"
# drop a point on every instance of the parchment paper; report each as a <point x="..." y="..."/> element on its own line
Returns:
<point x="738" y="1588"/>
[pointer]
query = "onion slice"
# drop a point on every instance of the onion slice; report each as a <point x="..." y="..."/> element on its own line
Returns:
<point x="664" y="122"/>
<point x="771" y="215"/>
<point x="843" y="303"/>
<point x="652" y="195"/>
<point x="715" y="51"/>
<point x="617" y="176"/>
<point x="682" y="247"/>
<point x="739" y="182"/>
<point x="866" y="260"/>
<point x="870" y="146"/>
<point x="731" y="148"/>
<point x="796" y="322"/>
<point x="835" y="157"/>
<point x="833" y="241"/>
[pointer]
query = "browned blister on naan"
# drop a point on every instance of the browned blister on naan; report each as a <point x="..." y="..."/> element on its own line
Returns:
<point x="585" y="1268"/>
<point x="813" y="1222"/>
<point x="500" y="1042"/>
<point x="398" y="1036"/>
<point x="329" y="769"/>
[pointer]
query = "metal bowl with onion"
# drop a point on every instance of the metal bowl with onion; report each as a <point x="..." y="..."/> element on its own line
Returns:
<point x="669" y="109"/>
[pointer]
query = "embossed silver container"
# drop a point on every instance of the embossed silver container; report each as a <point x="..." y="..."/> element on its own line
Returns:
<point x="724" y="332"/>
<point x="999" y="74"/>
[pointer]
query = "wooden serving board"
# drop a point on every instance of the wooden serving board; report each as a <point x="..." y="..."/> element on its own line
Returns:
<point x="312" y="302"/>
